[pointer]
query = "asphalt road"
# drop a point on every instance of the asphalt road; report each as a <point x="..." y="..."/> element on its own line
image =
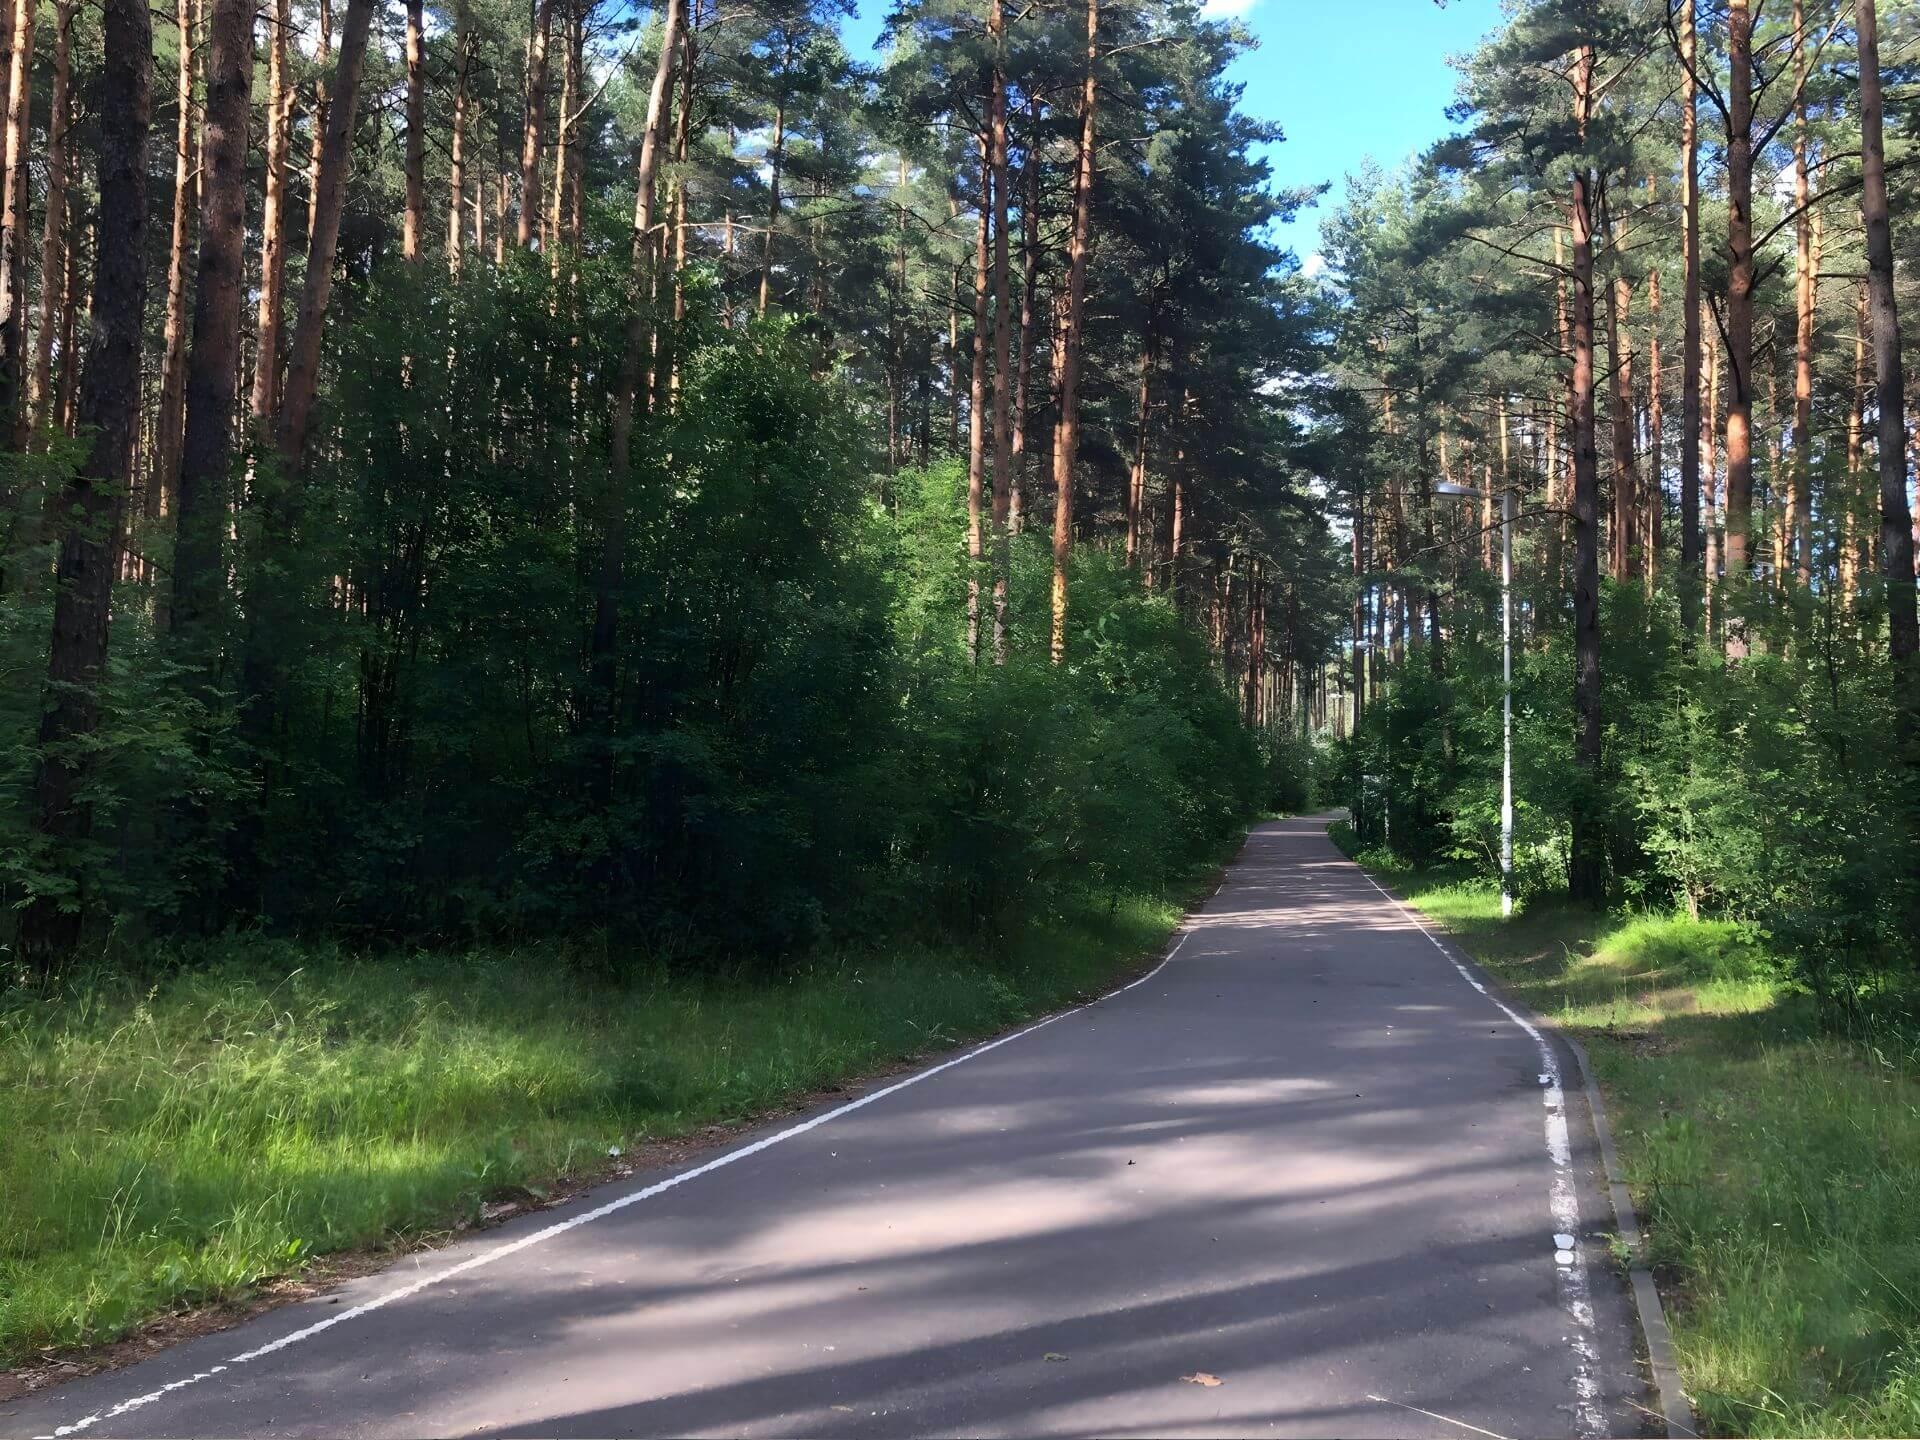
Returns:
<point x="1306" y="1158"/>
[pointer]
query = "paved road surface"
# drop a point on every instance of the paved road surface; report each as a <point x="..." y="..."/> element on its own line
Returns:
<point x="1306" y="1157"/>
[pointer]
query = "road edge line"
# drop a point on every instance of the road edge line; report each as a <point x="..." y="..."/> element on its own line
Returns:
<point x="1181" y="933"/>
<point x="1676" y="1412"/>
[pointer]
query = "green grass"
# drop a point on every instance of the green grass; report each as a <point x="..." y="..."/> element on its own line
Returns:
<point x="1776" y="1162"/>
<point x="186" y="1139"/>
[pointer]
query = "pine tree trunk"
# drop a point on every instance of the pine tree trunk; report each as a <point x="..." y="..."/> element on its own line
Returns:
<point x="322" y="110"/>
<point x="413" y="225"/>
<point x="1740" y="279"/>
<point x="1137" y="475"/>
<point x="1692" y="580"/>
<point x="1029" y="294"/>
<point x="1653" y="494"/>
<point x="610" y="579"/>
<point x="270" y="314"/>
<point x="977" y="404"/>
<point x="109" y="409"/>
<point x="1710" y="481"/>
<point x="1586" y="875"/>
<point x="536" y="118"/>
<point x="1066" y="435"/>
<point x="206" y="452"/>
<point x="14" y="221"/>
<point x="563" y="143"/>
<point x="1002" y="333"/>
<point x="1626" y="483"/>
<point x="776" y="161"/>
<point x="303" y="356"/>
<point x="1896" y="531"/>
<point x="457" y="146"/>
<point x="173" y="363"/>
<point x="1853" y="559"/>
<point x="42" y="395"/>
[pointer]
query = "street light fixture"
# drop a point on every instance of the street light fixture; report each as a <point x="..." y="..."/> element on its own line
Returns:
<point x="1448" y="487"/>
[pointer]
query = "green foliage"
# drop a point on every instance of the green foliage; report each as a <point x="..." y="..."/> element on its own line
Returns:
<point x="182" y="1130"/>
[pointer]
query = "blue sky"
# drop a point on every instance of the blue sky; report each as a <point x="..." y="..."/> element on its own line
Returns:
<point x="1347" y="79"/>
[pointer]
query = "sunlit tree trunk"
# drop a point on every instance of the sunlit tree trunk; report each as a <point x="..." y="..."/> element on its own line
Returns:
<point x="1653" y="494"/>
<point x="1586" y="876"/>
<point x="270" y="314"/>
<point x="322" y="108"/>
<point x="206" y="453"/>
<point x="413" y="226"/>
<point x="1029" y="312"/>
<point x="173" y="361"/>
<point x="14" y="217"/>
<point x="303" y="356"/>
<point x="533" y="131"/>
<point x="109" y="409"/>
<point x="1626" y="482"/>
<point x="42" y="392"/>
<point x="1066" y="441"/>
<point x="1692" y="581"/>
<point x="1740" y="278"/>
<point x="1137" y="475"/>
<point x="1853" y="559"/>
<point x="457" y="147"/>
<point x="776" y="162"/>
<point x="1002" y="333"/>
<point x="977" y="404"/>
<point x="1896" y="530"/>
<point x="1710" y="480"/>
<point x="1799" y="500"/>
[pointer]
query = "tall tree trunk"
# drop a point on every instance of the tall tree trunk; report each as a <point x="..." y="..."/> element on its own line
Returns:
<point x="322" y="110"/>
<point x="1692" y="581"/>
<point x="1626" y="482"/>
<point x="977" y="403"/>
<point x="1799" y="505"/>
<point x="611" y="576"/>
<point x="303" y="356"/>
<point x="1740" y="279"/>
<point x="1710" y="463"/>
<point x="109" y="409"/>
<point x="563" y="127"/>
<point x="1002" y="332"/>
<point x="270" y="315"/>
<point x="1066" y="436"/>
<point x="457" y="146"/>
<point x="1854" y="560"/>
<point x="1137" y="475"/>
<point x="206" y="453"/>
<point x="1029" y="294"/>
<point x="173" y="362"/>
<point x="1586" y="875"/>
<point x="532" y="132"/>
<point x="413" y="225"/>
<point x="1896" y="530"/>
<point x="1653" y="494"/>
<point x="776" y="162"/>
<point x="14" y="219"/>
<point x="42" y="394"/>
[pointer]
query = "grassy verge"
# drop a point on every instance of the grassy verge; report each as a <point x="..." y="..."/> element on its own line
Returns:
<point x="186" y="1138"/>
<point x="1777" y="1164"/>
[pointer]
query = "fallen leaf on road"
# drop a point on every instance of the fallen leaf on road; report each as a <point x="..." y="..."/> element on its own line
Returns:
<point x="1201" y="1377"/>
<point x="1056" y="1356"/>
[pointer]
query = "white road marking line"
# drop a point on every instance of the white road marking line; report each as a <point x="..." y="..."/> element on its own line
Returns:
<point x="1570" y="1265"/>
<point x="600" y="1212"/>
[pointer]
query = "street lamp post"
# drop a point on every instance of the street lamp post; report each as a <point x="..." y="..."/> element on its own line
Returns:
<point x="1448" y="487"/>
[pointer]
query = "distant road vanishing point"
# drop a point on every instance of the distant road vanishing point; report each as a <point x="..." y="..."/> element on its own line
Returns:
<point x="1306" y="1178"/>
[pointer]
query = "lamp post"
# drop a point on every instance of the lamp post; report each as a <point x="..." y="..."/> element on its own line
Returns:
<point x="1448" y="487"/>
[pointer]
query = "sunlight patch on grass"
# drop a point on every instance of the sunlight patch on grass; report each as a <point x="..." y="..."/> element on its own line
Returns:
<point x="186" y="1138"/>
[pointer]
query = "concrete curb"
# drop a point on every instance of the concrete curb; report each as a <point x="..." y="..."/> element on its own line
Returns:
<point x="1675" y="1410"/>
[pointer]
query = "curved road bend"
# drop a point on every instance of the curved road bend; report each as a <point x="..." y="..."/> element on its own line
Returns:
<point x="1306" y="1158"/>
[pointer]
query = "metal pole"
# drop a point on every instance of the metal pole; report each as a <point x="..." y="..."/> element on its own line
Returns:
<point x="1506" y="702"/>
